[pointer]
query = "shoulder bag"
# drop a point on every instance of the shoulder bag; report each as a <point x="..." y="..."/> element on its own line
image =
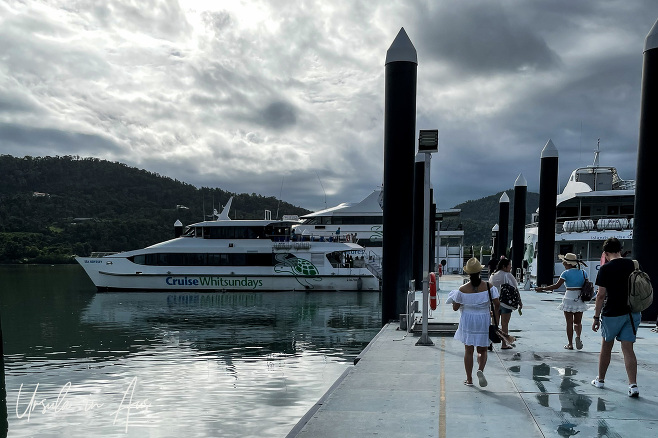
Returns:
<point x="493" y="327"/>
<point x="587" y="290"/>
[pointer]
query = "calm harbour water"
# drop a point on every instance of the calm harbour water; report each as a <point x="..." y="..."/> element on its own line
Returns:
<point x="80" y="363"/>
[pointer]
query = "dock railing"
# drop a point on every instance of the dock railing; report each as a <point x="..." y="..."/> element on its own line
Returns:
<point x="412" y="308"/>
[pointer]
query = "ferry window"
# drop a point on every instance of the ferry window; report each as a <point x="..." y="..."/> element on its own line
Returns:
<point x="151" y="259"/>
<point x="337" y="220"/>
<point x="171" y="260"/>
<point x="217" y="259"/>
<point x="627" y="210"/>
<point x="566" y="248"/>
<point x="613" y="210"/>
<point x="237" y="259"/>
<point x="326" y="220"/>
<point x="212" y="259"/>
<point x="567" y="212"/>
<point x="259" y="259"/>
<point x="194" y="259"/>
<point x="139" y="259"/>
<point x="585" y="211"/>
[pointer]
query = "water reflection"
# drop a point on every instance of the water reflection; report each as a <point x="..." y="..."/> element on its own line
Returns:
<point x="171" y="364"/>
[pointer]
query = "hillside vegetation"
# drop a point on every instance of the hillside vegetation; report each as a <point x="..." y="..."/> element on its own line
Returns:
<point x="54" y="207"/>
<point x="479" y="216"/>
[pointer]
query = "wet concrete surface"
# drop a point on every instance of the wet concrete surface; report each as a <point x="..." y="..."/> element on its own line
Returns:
<point x="537" y="389"/>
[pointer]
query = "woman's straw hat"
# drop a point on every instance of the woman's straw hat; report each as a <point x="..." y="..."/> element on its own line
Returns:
<point x="569" y="258"/>
<point x="473" y="266"/>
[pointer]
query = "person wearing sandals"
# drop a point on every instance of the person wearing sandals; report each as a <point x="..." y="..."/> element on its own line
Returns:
<point x="572" y="306"/>
<point x="503" y="275"/>
<point x="475" y="299"/>
<point x="613" y="316"/>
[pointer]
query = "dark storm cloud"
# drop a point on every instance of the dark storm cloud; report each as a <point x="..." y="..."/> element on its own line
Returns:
<point x="475" y="38"/>
<point x="21" y="140"/>
<point x="279" y="115"/>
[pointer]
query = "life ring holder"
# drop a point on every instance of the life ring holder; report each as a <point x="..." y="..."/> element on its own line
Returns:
<point x="432" y="285"/>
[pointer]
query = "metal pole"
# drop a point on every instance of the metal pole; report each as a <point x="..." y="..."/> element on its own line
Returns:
<point x="644" y="228"/>
<point x="424" y="337"/>
<point x="399" y="145"/>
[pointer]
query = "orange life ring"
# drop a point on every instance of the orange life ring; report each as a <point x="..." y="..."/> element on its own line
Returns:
<point x="432" y="291"/>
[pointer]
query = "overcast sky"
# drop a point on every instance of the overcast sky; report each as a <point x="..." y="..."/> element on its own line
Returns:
<point x="286" y="98"/>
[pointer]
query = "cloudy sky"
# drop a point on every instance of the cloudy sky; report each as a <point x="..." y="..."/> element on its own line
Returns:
<point x="286" y="97"/>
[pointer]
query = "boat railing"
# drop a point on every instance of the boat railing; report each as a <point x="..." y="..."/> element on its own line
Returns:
<point x="101" y="254"/>
<point x="290" y="245"/>
<point x="316" y="238"/>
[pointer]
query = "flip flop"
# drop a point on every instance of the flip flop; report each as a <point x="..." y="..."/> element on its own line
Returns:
<point x="468" y="384"/>
<point x="506" y="347"/>
<point x="481" y="379"/>
<point x="579" y="343"/>
<point x="568" y="347"/>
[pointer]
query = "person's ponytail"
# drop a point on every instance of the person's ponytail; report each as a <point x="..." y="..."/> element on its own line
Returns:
<point x="476" y="279"/>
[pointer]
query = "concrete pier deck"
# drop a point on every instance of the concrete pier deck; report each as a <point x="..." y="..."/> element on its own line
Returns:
<point x="537" y="389"/>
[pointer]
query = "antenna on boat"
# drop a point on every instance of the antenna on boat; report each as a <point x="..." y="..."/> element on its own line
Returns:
<point x="279" y="203"/>
<point x="203" y="197"/>
<point x="596" y="153"/>
<point x="325" y="193"/>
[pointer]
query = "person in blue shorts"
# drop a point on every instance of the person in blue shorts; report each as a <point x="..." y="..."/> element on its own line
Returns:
<point x="613" y="316"/>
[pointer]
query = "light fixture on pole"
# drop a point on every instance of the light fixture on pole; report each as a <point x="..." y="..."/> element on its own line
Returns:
<point x="428" y="143"/>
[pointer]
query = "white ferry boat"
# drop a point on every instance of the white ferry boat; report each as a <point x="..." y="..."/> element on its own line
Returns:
<point x="596" y="204"/>
<point x="362" y="222"/>
<point x="234" y="255"/>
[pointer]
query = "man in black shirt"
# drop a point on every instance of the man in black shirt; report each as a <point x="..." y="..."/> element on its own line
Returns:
<point x="613" y="316"/>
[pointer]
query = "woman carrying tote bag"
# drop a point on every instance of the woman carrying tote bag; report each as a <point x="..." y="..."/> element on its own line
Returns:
<point x="503" y="275"/>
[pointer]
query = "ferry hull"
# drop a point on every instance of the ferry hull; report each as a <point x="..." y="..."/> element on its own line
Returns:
<point x="119" y="274"/>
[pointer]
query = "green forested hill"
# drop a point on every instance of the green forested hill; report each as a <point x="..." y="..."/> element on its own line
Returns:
<point x="479" y="216"/>
<point x="53" y="207"/>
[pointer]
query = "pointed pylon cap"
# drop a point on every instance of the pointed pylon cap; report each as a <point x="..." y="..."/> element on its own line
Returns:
<point x="504" y="198"/>
<point x="178" y="223"/>
<point x="495" y="228"/>
<point x="651" y="42"/>
<point x="549" y="151"/>
<point x="520" y="181"/>
<point x="402" y="50"/>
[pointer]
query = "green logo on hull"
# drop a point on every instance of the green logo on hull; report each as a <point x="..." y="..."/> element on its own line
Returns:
<point x="302" y="270"/>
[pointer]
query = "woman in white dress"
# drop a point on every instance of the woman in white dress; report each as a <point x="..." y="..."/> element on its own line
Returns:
<point x="572" y="306"/>
<point x="473" y="300"/>
<point x="503" y="275"/>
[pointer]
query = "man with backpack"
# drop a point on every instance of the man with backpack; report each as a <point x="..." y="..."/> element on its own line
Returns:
<point x="612" y="314"/>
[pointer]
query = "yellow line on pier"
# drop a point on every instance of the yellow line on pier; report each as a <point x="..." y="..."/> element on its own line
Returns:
<point x="442" y="400"/>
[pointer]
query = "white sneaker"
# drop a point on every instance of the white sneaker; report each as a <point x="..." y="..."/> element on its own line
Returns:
<point x="598" y="383"/>
<point x="633" y="391"/>
<point x="481" y="379"/>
